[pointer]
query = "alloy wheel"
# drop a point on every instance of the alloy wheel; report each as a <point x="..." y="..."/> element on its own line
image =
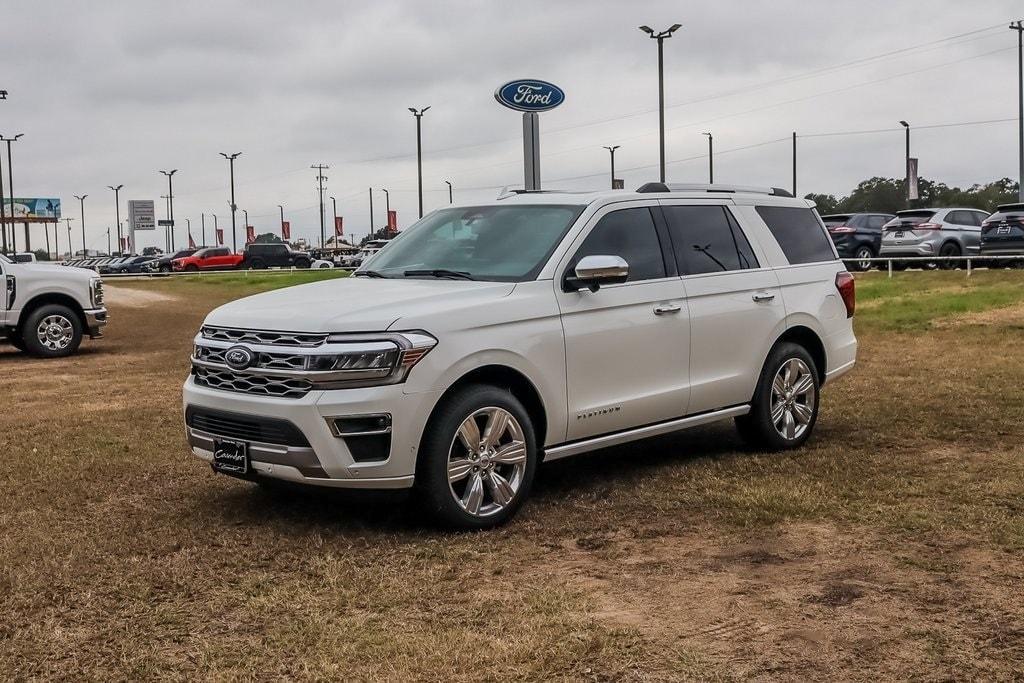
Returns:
<point x="55" y="332"/>
<point x="793" y="399"/>
<point x="862" y="255"/>
<point x="487" y="461"/>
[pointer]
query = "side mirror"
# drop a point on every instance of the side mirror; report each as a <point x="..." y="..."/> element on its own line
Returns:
<point x="600" y="269"/>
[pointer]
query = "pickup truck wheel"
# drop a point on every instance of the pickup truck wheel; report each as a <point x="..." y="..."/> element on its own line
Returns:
<point x="478" y="459"/>
<point x="17" y="342"/>
<point x="257" y="264"/>
<point x="302" y="263"/>
<point x="52" y="331"/>
<point x="785" y="406"/>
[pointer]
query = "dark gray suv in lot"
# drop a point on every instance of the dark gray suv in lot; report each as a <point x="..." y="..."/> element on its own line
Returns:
<point x="1002" y="234"/>
<point x="274" y="255"/>
<point x="857" y="236"/>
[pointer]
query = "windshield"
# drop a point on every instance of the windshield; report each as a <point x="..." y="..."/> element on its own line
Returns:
<point x="5" y="259"/>
<point x="505" y="243"/>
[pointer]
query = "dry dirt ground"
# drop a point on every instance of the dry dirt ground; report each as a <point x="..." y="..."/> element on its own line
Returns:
<point x="890" y="547"/>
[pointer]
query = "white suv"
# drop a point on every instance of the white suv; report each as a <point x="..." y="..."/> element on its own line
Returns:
<point x="488" y="338"/>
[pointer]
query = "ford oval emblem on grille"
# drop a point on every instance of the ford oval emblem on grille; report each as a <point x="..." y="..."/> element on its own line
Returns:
<point x="239" y="357"/>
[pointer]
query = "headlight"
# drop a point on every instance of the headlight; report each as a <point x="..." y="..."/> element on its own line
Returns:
<point x="96" y="292"/>
<point x="368" y="359"/>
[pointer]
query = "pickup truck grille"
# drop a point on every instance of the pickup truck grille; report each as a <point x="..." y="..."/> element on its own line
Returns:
<point x="235" y="336"/>
<point x="228" y="380"/>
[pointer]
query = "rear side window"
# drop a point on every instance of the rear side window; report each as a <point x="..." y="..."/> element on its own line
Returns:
<point x="706" y="239"/>
<point x="876" y="222"/>
<point x="628" y="233"/>
<point x="798" y="233"/>
<point x="959" y="218"/>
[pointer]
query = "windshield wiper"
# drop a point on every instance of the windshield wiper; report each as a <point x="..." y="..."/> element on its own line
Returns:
<point x="368" y="273"/>
<point x="441" y="272"/>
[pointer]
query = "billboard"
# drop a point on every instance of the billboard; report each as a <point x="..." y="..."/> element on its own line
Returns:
<point x="32" y="209"/>
<point x="141" y="214"/>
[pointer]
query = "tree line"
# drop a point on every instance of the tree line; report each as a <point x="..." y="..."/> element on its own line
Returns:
<point x="888" y="195"/>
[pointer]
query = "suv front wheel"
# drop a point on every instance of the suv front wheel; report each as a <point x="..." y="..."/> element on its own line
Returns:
<point x="785" y="406"/>
<point x="478" y="459"/>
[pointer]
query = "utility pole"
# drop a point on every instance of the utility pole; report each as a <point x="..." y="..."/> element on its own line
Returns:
<point x="71" y="252"/>
<point x="449" y="183"/>
<point x="231" y="162"/>
<point x="907" y="157"/>
<point x="108" y="242"/>
<point x="711" y="158"/>
<point x="117" y="213"/>
<point x="170" y="202"/>
<point x="81" y="204"/>
<point x="10" y="186"/>
<point x="215" y="229"/>
<point x="188" y="228"/>
<point x="611" y="153"/>
<point x="3" y="202"/>
<point x="167" y="228"/>
<point x="660" y="37"/>
<point x="246" y="213"/>
<point x="419" y="153"/>
<point x="202" y="221"/>
<point x="1019" y="28"/>
<point x="794" y="163"/>
<point x="371" y="213"/>
<point x="320" y="178"/>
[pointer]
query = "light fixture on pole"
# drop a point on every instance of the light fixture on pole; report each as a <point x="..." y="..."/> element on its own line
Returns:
<point x="81" y="204"/>
<point x="231" y="163"/>
<point x="320" y="178"/>
<point x="117" y="212"/>
<point x="611" y="152"/>
<point x="419" y="153"/>
<point x="660" y="37"/>
<point x="449" y="184"/>
<point x="170" y="202"/>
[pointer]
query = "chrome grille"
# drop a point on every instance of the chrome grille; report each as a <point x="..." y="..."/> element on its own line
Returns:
<point x="228" y="380"/>
<point x="227" y="334"/>
<point x="264" y="359"/>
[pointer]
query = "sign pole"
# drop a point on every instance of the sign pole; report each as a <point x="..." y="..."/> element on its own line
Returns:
<point x="531" y="151"/>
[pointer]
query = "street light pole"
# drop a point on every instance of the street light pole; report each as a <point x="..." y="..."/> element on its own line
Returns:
<point x="71" y="252"/>
<point x="117" y="213"/>
<point x="215" y="229"/>
<point x="660" y="37"/>
<point x="188" y="228"/>
<point x="371" y="213"/>
<point x="334" y="225"/>
<point x="10" y="186"/>
<point x="419" y="153"/>
<point x="3" y="202"/>
<point x="1019" y="28"/>
<point x="320" y="178"/>
<point x="794" y="163"/>
<point x="711" y="158"/>
<point x="108" y="241"/>
<point x="202" y="223"/>
<point x="231" y="162"/>
<point x="611" y="152"/>
<point x="81" y="204"/>
<point x="906" y="126"/>
<point x="245" y="212"/>
<point x="449" y="184"/>
<point x="170" y="202"/>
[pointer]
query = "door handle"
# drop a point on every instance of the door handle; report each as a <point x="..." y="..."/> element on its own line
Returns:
<point x="763" y="296"/>
<point x="662" y="309"/>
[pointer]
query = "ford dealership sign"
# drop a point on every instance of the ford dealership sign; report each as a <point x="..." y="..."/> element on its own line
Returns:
<point x="530" y="95"/>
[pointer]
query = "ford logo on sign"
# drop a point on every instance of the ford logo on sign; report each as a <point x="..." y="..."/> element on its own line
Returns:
<point x="530" y="95"/>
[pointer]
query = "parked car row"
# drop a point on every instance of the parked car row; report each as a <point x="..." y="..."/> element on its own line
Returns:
<point x="940" y="232"/>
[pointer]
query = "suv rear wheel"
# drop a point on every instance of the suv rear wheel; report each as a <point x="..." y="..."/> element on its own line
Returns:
<point x="52" y="331"/>
<point x="785" y="406"/>
<point x="478" y="459"/>
<point x="863" y="252"/>
<point x="257" y="264"/>
<point x="949" y="249"/>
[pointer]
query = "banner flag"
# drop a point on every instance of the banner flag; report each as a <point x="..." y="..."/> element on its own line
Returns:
<point x="220" y="237"/>
<point x="286" y="230"/>
<point x="250" y="234"/>
<point x="339" y="227"/>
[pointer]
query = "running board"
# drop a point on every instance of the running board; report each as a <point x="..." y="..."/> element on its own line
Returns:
<point x="577" y="447"/>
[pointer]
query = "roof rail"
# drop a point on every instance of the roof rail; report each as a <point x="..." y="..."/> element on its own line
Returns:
<point x="1016" y="206"/>
<point x="704" y="187"/>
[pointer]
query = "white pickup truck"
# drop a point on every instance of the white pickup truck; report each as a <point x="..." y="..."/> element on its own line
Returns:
<point x="46" y="309"/>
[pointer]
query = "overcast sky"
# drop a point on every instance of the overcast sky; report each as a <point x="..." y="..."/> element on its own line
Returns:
<point x="111" y="92"/>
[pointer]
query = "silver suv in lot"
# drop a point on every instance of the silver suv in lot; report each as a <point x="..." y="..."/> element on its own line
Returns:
<point x="487" y="338"/>
<point x="933" y="232"/>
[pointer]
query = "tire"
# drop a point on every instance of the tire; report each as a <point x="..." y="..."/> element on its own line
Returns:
<point x="443" y="450"/>
<point x="257" y="264"/>
<point x="17" y="342"/>
<point x="166" y="268"/>
<point x="758" y="428"/>
<point x="191" y="268"/>
<point x="302" y="263"/>
<point x="52" y="331"/>
<point x="949" y="249"/>
<point x="862" y="252"/>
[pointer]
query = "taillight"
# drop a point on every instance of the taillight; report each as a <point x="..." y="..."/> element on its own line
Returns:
<point x="841" y="230"/>
<point x="928" y="226"/>
<point x="847" y="290"/>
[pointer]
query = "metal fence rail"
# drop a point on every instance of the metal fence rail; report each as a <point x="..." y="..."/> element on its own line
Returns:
<point x="926" y="261"/>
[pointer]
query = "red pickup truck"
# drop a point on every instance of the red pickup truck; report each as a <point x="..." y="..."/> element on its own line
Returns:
<point x="211" y="258"/>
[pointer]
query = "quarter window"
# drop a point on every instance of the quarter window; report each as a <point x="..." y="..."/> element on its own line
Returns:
<point x="629" y="233"/>
<point x="706" y="239"/>
<point x="799" y="233"/>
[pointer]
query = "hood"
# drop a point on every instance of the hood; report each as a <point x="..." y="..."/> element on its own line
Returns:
<point x="54" y="270"/>
<point x="353" y="304"/>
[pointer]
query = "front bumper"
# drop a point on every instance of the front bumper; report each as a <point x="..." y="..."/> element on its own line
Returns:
<point x="327" y="460"/>
<point x="95" y="319"/>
